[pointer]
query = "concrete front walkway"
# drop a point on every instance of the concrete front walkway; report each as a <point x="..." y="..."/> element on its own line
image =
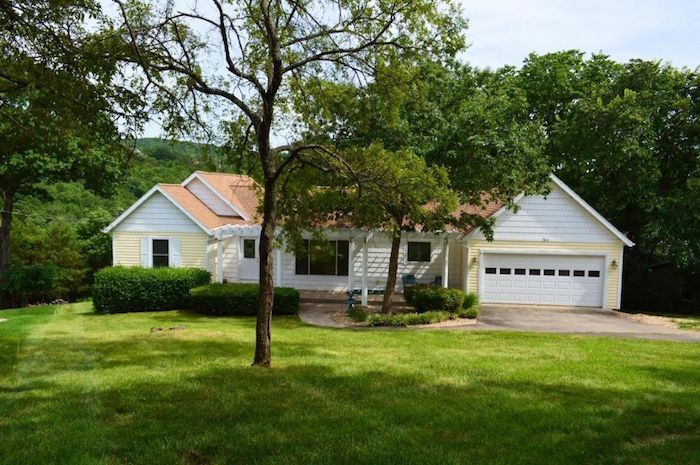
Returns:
<point x="567" y="320"/>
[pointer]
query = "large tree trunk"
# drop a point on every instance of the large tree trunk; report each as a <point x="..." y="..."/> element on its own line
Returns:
<point x="266" y="294"/>
<point x="5" y="230"/>
<point x="393" y="269"/>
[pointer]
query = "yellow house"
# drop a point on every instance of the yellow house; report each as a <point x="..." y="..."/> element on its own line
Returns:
<point x="555" y="250"/>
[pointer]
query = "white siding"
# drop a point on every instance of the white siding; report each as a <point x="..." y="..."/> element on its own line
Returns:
<point x="377" y="265"/>
<point x="158" y="215"/>
<point x="556" y="218"/>
<point x="210" y="199"/>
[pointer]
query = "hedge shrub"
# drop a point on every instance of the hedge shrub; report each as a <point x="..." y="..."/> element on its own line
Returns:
<point x="427" y="298"/>
<point x="241" y="299"/>
<point x="131" y="289"/>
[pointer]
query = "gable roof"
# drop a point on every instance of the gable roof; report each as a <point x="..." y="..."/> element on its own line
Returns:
<point x="158" y="188"/>
<point x="616" y="232"/>
<point x="238" y="191"/>
<point x="576" y="198"/>
<point x="241" y="192"/>
<point x="198" y="209"/>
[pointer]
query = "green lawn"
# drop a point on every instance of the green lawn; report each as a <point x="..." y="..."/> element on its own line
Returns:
<point x="78" y="388"/>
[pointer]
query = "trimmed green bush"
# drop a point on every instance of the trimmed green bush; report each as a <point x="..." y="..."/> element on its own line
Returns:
<point x="132" y="289"/>
<point x="241" y="299"/>
<point x="427" y="298"/>
<point x="409" y="319"/>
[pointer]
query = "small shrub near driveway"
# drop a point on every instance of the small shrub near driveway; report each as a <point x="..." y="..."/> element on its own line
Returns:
<point x="241" y="299"/>
<point x="430" y="298"/>
<point x="426" y="318"/>
<point x="133" y="289"/>
<point x="470" y="312"/>
<point x="409" y="319"/>
<point x="357" y="313"/>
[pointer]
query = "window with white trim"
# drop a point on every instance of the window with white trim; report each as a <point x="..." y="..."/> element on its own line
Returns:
<point x="418" y="252"/>
<point x="160" y="252"/>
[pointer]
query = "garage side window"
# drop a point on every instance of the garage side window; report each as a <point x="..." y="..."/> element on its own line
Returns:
<point x="418" y="252"/>
<point x="161" y="252"/>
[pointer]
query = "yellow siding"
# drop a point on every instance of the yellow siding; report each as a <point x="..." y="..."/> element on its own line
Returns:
<point x="613" y="251"/>
<point x="127" y="248"/>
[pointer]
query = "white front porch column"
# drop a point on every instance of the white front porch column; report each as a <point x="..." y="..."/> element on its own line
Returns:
<point x="351" y="264"/>
<point x="446" y="263"/>
<point x="465" y="268"/>
<point x="278" y="260"/>
<point x="365" y="293"/>
<point x="219" y="261"/>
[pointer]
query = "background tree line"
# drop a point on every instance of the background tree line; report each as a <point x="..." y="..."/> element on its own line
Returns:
<point x="624" y="136"/>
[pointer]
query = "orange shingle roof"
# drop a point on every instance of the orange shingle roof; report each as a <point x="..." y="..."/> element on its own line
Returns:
<point x="243" y="193"/>
<point x="240" y="190"/>
<point x="195" y="207"/>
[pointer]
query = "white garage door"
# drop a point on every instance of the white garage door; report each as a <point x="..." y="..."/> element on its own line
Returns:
<point x="543" y="279"/>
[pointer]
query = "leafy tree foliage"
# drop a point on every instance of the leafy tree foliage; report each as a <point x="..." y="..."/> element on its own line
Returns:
<point x="627" y="138"/>
<point x="58" y="102"/>
<point x="377" y="189"/>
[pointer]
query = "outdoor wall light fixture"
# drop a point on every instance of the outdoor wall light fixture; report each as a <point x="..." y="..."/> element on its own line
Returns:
<point x="613" y="264"/>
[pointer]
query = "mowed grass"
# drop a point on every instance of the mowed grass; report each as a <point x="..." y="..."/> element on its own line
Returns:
<point x="79" y="388"/>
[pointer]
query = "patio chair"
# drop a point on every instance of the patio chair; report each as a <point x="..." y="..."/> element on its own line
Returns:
<point x="408" y="280"/>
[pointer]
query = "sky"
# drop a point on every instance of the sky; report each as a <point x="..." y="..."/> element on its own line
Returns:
<point x="504" y="32"/>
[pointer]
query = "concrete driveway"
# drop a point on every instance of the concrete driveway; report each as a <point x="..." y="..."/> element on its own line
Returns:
<point x="572" y="320"/>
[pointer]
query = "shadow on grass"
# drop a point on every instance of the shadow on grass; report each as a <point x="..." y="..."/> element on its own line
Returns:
<point x="190" y="397"/>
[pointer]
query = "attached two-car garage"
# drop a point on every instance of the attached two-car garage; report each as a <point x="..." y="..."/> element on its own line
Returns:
<point x="576" y="280"/>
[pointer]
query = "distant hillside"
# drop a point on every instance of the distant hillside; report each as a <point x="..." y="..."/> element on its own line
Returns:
<point x="165" y="149"/>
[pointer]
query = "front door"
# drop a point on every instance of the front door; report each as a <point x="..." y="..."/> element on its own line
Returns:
<point x="250" y="266"/>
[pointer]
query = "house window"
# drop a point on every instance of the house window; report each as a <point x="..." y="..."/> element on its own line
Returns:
<point x="594" y="274"/>
<point x="161" y="255"/>
<point x="248" y="248"/>
<point x="534" y="272"/>
<point x="504" y="271"/>
<point x="564" y="273"/>
<point x="418" y="251"/>
<point x="520" y="271"/>
<point x="579" y="273"/>
<point x="549" y="272"/>
<point x="329" y="258"/>
<point x="490" y="270"/>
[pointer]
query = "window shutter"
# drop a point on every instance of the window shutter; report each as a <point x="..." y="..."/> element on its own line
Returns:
<point x="146" y="252"/>
<point x="174" y="247"/>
